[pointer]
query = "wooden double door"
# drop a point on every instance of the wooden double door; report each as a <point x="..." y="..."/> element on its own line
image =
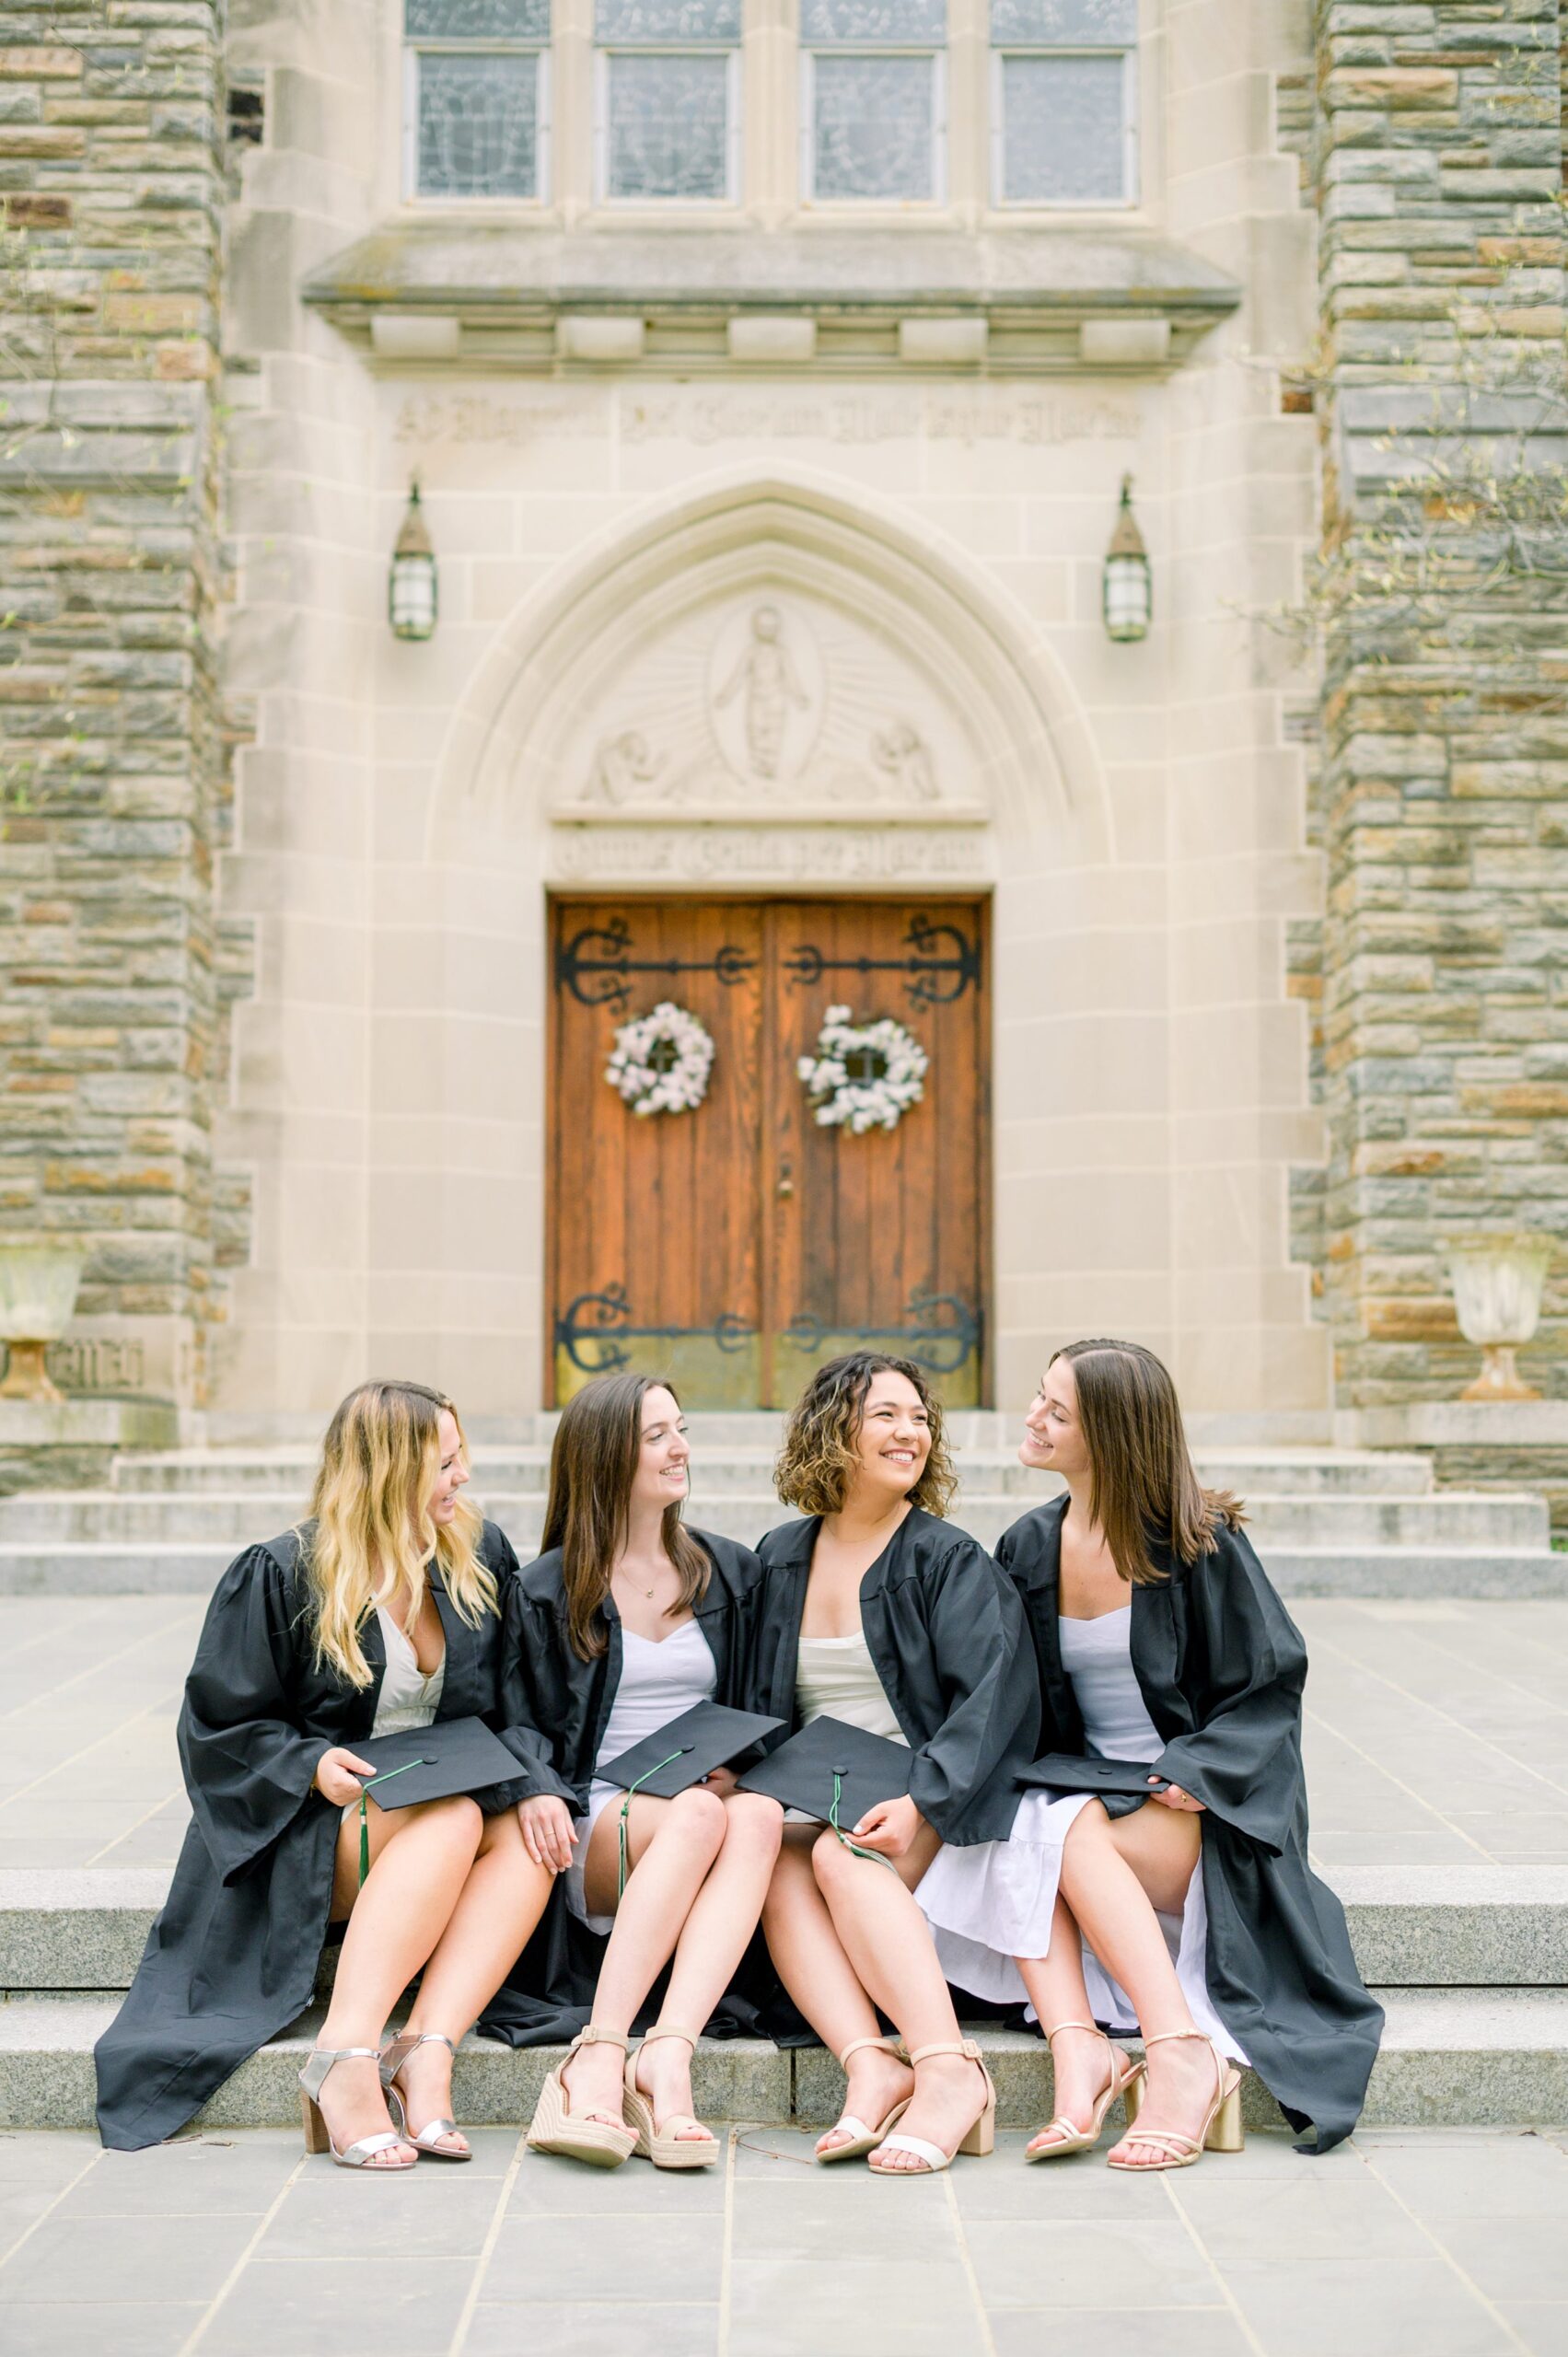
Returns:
<point x="735" y="1246"/>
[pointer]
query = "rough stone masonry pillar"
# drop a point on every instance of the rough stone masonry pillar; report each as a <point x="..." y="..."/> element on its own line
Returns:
<point x="113" y="802"/>
<point x="1444" y="600"/>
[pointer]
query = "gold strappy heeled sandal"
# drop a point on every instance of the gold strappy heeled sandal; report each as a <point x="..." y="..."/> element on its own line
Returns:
<point x="977" y="2140"/>
<point x="863" y="2139"/>
<point x="558" y="2128"/>
<point x="1124" y="2076"/>
<point x="1221" y="2132"/>
<point x="665" y="2147"/>
<point x="428" y="2140"/>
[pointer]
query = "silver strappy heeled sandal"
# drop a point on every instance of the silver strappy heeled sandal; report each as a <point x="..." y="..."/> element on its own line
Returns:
<point x="318" y="2135"/>
<point x="428" y="2139"/>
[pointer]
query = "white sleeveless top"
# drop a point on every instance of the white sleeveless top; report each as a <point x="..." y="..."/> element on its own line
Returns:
<point x="657" y="1682"/>
<point x="835" y="1677"/>
<point x="1097" y="1656"/>
<point x="408" y="1699"/>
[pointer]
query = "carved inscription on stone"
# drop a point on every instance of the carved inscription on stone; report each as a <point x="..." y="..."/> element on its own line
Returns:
<point x="786" y="854"/>
<point x="971" y="414"/>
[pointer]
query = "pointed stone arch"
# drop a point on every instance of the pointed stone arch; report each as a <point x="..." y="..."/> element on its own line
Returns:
<point x="515" y="750"/>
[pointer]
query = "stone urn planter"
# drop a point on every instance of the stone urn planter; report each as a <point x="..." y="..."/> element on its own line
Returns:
<point x="38" y="1277"/>
<point x="1497" y="1283"/>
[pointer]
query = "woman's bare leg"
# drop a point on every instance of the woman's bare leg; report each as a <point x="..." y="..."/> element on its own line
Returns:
<point x="810" y="1958"/>
<point x="1059" y="1993"/>
<point x="672" y="1846"/>
<point x="496" y="1912"/>
<point x="888" y="1942"/>
<point x="420" y="1858"/>
<point x="1116" y="1873"/>
<point x="713" y="1940"/>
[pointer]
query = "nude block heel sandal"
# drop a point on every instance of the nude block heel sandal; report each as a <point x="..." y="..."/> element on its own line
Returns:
<point x="665" y="2147"/>
<point x="862" y="2138"/>
<point x="1222" y="2130"/>
<point x="976" y="2142"/>
<point x="1124" y="2078"/>
<point x="428" y="2140"/>
<point x="578" y="2135"/>
<point x="318" y="2136"/>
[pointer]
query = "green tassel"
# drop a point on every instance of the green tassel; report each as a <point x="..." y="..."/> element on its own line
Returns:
<point x="875" y="1855"/>
<point x="625" y="1812"/>
<point x="385" y="1778"/>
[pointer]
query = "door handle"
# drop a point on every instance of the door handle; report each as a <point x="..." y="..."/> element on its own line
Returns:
<point x="786" y="1178"/>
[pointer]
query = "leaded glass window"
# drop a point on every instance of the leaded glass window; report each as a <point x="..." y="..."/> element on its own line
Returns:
<point x="1063" y="99"/>
<point x="872" y="100"/>
<point x="669" y="112"/>
<point x="476" y="98"/>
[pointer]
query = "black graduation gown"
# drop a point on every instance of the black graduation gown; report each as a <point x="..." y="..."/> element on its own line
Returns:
<point x="232" y="1959"/>
<point x="1221" y="1667"/>
<point x="946" y="1633"/>
<point x="557" y="1707"/>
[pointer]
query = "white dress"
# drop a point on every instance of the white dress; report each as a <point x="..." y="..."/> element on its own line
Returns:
<point x="659" y="1678"/>
<point x="990" y="1903"/>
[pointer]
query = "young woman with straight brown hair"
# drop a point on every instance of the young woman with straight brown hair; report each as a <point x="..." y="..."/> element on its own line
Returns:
<point x="879" y="1613"/>
<point x="1190" y="1916"/>
<point x="625" y="1620"/>
<point x="379" y="1613"/>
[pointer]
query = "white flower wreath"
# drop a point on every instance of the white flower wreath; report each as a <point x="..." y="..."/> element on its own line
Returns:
<point x="864" y="1076"/>
<point x="662" y="1061"/>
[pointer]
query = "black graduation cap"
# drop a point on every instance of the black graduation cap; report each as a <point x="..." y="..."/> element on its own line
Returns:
<point x="432" y="1763"/>
<point x="801" y="1772"/>
<point x="1089" y="1773"/>
<point x="707" y="1736"/>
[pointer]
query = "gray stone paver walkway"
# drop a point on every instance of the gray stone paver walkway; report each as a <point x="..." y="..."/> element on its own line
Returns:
<point x="1436" y="1733"/>
<point x="1437" y="2243"/>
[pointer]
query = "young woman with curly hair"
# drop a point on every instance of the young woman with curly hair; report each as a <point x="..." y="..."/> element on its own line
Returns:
<point x="876" y="1611"/>
<point x="380" y="1612"/>
<point x="1188" y="1914"/>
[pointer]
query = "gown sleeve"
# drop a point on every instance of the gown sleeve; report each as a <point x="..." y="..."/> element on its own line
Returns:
<point x="1244" y="1761"/>
<point x="525" y="1710"/>
<point x="248" y="1765"/>
<point x="986" y="1666"/>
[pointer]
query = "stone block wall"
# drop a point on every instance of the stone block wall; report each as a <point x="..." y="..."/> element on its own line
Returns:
<point x="111" y="181"/>
<point x="1437" y="165"/>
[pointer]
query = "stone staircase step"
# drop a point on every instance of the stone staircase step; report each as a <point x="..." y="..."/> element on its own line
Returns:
<point x="287" y="1472"/>
<point x="105" y="1567"/>
<point x="1452" y="2059"/>
<point x="1499" y="1927"/>
<point x="229" y="1517"/>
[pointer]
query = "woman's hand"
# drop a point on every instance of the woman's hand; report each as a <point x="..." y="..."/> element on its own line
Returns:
<point x="339" y="1773"/>
<point x="890" y="1828"/>
<point x="721" y="1781"/>
<point x="1174" y="1797"/>
<point x="549" y="1834"/>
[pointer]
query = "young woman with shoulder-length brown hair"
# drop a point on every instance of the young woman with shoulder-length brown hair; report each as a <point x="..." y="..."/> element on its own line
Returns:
<point x="877" y="1612"/>
<point x="380" y="1612"/>
<point x="1184" y="1913"/>
<point x="625" y="1620"/>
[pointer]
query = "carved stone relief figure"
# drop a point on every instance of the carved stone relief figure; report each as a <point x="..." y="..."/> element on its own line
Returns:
<point x="768" y="677"/>
<point x="903" y="757"/>
<point x="624" y="768"/>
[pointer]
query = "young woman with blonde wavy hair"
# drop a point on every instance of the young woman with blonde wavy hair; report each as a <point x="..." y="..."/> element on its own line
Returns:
<point x="382" y="1611"/>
